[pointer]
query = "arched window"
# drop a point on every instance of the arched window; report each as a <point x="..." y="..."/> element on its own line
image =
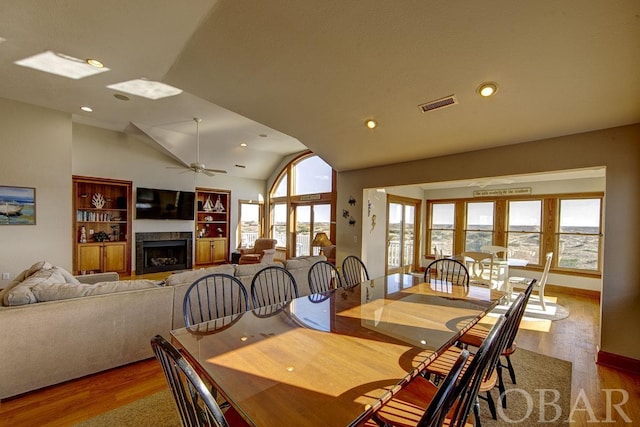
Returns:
<point x="302" y="204"/>
<point x="311" y="175"/>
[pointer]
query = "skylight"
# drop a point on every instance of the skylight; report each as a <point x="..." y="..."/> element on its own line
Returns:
<point x="61" y="65"/>
<point x="146" y="88"/>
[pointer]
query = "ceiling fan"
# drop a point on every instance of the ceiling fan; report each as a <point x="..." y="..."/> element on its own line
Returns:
<point x="197" y="166"/>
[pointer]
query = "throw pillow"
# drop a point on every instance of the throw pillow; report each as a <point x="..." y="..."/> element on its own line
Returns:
<point x="40" y="265"/>
<point x="68" y="277"/>
<point x="22" y="293"/>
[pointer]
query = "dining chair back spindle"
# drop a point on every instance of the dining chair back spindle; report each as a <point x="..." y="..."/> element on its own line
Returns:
<point x="323" y="276"/>
<point x="212" y="297"/>
<point x="273" y="285"/>
<point x="446" y="272"/>
<point x="196" y="405"/>
<point x="354" y="271"/>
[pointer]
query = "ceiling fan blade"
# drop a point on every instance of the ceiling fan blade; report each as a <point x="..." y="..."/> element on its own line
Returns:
<point x="206" y="172"/>
<point x="214" y="170"/>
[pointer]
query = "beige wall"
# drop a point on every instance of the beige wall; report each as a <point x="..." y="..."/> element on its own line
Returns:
<point x="36" y="152"/>
<point x="618" y="149"/>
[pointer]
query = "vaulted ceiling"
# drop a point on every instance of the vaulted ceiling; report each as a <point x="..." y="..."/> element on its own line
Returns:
<point x="282" y="75"/>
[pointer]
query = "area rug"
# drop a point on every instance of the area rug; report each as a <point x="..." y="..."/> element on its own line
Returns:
<point x="541" y="397"/>
<point x="537" y="376"/>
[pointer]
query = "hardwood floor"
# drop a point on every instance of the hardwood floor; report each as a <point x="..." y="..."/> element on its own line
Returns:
<point x="573" y="339"/>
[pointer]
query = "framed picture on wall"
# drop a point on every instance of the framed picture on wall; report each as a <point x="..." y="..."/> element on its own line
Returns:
<point x="17" y="205"/>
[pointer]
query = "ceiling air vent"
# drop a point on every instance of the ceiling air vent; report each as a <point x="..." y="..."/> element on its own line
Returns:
<point x="439" y="103"/>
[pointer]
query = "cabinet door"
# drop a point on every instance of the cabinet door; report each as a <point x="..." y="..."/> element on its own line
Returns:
<point x="204" y="251"/>
<point x="89" y="257"/>
<point x="219" y="250"/>
<point x="114" y="257"/>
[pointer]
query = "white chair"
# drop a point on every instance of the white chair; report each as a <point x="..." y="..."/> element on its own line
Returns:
<point x="480" y="266"/>
<point x="437" y="252"/>
<point x="521" y="283"/>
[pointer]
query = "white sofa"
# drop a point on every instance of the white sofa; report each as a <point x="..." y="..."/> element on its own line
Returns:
<point x="46" y="343"/>
<point x="50" y="342"/>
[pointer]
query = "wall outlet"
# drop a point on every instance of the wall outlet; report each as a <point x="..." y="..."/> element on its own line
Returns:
<point x="6" y="276"/>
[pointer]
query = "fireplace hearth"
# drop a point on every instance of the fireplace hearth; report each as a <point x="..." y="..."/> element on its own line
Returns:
<point x="163" y="251"/>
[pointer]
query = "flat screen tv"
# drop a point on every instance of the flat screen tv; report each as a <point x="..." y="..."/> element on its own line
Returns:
<point x="153" y="203"/>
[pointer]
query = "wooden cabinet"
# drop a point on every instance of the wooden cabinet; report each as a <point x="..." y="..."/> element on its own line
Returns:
<point x="212" y="225"/>
<point x="101" y="225"/>
<point x="211" y="250"/>
<point x="103" y="256"/>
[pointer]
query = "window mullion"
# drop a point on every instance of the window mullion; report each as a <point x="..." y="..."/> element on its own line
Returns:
<point x="500" y="223"/>
<point x="551" y="216"/>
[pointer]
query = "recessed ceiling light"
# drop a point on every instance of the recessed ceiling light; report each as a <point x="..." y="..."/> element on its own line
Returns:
<point x="95" y="63"/>
<point x="370" y="123"/>
<point x="146" y="88"/>
<point x="87" y="109"/>
<point x="487" y="89"/>
<point x="243" y="144"/>
<point x="61" y="65"/>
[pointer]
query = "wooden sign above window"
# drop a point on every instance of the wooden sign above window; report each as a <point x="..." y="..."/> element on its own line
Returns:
<point x="503" y="192"/>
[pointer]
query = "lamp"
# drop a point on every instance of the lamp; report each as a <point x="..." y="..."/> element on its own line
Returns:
<point x="321" y="240"/>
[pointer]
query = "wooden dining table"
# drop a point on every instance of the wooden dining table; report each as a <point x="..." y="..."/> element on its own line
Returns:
<point x="333" y="358"/>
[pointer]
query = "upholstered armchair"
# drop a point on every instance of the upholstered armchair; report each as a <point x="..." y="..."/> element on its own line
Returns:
<point x="264" y="250"/>
<point x="330" y="253"/>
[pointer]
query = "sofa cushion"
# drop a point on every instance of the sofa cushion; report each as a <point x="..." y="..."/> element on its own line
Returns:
<point x="62" y="291"/>
<point x="243" y="270"/>
<point x="22" y="293"/>
<point x="193" y="275"/>
<point x="303" y="262"/>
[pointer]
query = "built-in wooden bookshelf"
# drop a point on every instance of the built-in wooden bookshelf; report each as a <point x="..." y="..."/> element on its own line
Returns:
<point x="101" y="225"/>
<point x="212" y="226"/>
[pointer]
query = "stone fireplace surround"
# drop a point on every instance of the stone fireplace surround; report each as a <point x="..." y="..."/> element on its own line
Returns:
<point x="173" y="240"/>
